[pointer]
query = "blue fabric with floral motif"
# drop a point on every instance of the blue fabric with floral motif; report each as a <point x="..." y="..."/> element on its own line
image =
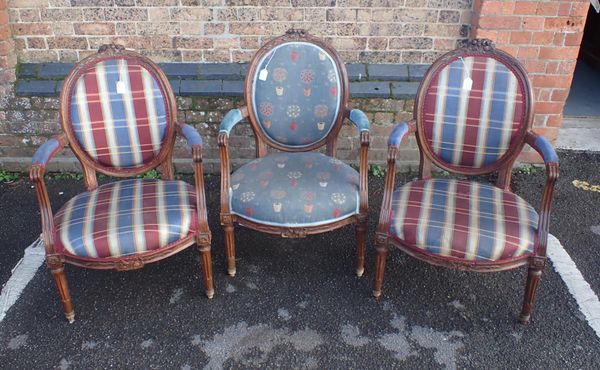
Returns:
<point x="298" y="101"/>
<point x="295" y="189"/>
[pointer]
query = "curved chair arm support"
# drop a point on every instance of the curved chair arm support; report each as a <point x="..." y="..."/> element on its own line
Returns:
<point x="190" y="134"/>
<point x="399" y="133"/>
<point x="36" y="174"/>
<point x="545" y="149"/>
<point x="232" y="118"/>
<point x="360" y="120"/>
<point x="194" y="142"/>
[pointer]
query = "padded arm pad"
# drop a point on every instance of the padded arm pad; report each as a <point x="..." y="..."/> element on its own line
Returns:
<point x="359" y="119"/>
<point x="45" y="152"/>
<point x="543" y="147"/>
<point x="191" y="135"/>
<point x="398" y="133"/>
<point x="232" y="118"/>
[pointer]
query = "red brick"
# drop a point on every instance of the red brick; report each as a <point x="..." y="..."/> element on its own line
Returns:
<point x="567" y="67"/>
<point x="487" y="34"/>
<point x="573" y="39"/>
<point x="503" y="37"/>
<point x="500" y="23"/>
<point x="580" y="9"/>
<point x="564" y="23"/>
<point x="535" y="66"/>
<point x="549" y="107"/>
<point x="94" y="28"/>
<point x="23" y="29"/>
<point x="520" y="37"/>
<point x="533" y="23"/>
<point x="550" y="133"/>
<point x="491" y="8"/>
<point x="564" y="53"/>
<point x="530" y="157"/>
<point x="554" y="120"/>
<point x="525" y="7"/>
<point x="559" y="95"/>
<point x="559" y="39"/>
<point x="543" y="38"/>
<point x="552" y="68"/>
<point x="541" y="95"/>
<point x="552" y="81"/>
<point x="564" y="9"/>
<point x="528" y="52"/>
<point x="508" y="7"/>
<point x="547" y="8"/>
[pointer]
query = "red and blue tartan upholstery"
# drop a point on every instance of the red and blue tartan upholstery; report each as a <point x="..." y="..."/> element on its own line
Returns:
<point x="473" y="126"/>
<point x="464" y="220"/>
<point x="126" y="218"/>
<point x="118" y="113"/>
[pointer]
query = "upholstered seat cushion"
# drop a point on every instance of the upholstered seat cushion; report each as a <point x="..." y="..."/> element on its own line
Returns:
<point x="463" y="220"/>
<point x="126" y="218"/>
<point x="294" y="189"/>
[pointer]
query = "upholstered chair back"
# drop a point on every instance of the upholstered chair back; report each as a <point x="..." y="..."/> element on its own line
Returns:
<point x="474" y="110"/>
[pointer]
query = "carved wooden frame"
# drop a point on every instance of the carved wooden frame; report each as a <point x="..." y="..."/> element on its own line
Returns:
<point x="384" y="241"/>
<point x="202" y="237"/>
<point x="228" y="219"/>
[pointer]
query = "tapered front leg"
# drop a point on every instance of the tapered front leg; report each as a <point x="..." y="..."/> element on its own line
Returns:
<point x="230" y="249"/>
<point x="361" y="236"/>
<point x="382" y="252"/>
<point x="206" y="261"/>
<point x="534" y="276"/>
<point x="58" y="272"/>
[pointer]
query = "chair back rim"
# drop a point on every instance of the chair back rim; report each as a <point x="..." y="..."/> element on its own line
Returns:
<point x="294" y="35"/>
<point x="474" y="48"/>
<point x="113" y="52"/>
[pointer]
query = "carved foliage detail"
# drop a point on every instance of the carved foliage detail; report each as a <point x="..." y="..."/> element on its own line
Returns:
<point x="477" y="45"/>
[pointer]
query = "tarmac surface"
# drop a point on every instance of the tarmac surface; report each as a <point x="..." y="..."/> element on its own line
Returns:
<point x="297" y="303"/>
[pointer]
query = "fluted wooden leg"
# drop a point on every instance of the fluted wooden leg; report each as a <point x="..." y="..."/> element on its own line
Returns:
<point x="58" y="272"/>
<point x="230" y="249"/>
<point x="533" y="280"/>
<point x="206" y="261"/>
<point x="361" y="236"/>
<point x="382" y="252"/>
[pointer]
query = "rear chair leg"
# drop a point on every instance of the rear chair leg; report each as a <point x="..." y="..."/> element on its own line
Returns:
<point x="382" y="252"/>
<point x="230" y="248"/>
<point x="58" y="272"/>
<point x="361" y="234"/>
<point x="205" y="258"/>
<point x="533" y="280"/>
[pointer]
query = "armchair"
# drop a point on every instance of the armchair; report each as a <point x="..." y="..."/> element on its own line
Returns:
<point x="118" y="116"/>
<point x="473" y="115"/>
<point x="296" y="93"/>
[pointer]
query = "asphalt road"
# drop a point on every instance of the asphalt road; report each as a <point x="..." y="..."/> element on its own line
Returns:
<point x="298" y="304"/>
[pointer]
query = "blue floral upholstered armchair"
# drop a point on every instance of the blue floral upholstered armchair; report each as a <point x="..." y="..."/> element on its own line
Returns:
<point x="118" y="117"/>
<point x="296" y="92"/>
<point x="473" y="115"/>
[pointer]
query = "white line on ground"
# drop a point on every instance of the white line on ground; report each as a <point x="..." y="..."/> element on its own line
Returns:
<point x="587" y="300"/>
<point x="22" y="273"/>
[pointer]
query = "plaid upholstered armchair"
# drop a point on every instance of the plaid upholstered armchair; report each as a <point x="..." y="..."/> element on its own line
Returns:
<point x="118" y="116"/>
<point x="473" y="116"/>
<point x="296" y="93"/>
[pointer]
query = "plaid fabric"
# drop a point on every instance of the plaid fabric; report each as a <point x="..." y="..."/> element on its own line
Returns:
<point x="126" y="218"/>
<point x="463" y="219"/>
<point x="473" y="127"/>
<point x="118" y="113"/>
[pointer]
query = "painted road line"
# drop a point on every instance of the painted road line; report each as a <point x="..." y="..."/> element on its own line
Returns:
<point x="22" y="273"/>
<point x="587" y="300"/>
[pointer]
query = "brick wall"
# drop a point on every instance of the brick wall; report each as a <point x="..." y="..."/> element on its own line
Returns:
<point x="545" y="36"/>
<point x="8" y="59"/>
<point x="30" y="121"/>
<point x="393" y="31"/>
